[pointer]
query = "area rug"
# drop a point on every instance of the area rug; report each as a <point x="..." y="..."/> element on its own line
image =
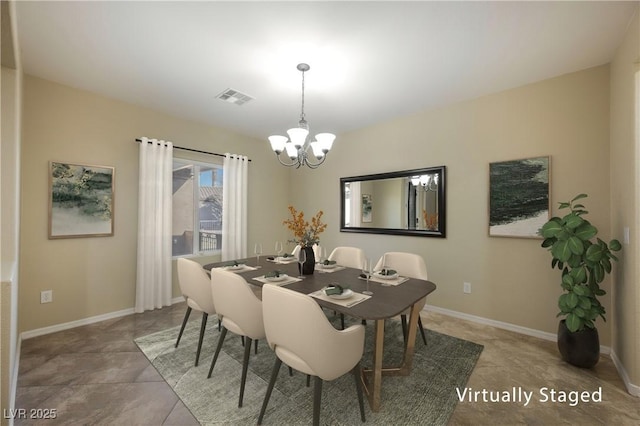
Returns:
<point x="426" y="397"/>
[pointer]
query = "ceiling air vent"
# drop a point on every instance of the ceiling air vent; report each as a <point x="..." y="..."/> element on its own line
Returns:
<point x="234" y="97"/>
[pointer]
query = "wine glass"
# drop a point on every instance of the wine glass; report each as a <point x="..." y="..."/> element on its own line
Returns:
<point x="323" y="255"/>
<point x="302" y="258"/>
<point x="279" y="248"/>
<point x="366" y="270"/>
<point x="257" y="249"/>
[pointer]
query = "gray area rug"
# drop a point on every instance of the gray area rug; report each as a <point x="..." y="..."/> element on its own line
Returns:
<point x="426" y="397"/>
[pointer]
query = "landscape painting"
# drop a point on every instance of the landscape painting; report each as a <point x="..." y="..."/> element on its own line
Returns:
<point x="367" y="208"/>
<point x="518" y="197"/>
<point x="80" y="200"/>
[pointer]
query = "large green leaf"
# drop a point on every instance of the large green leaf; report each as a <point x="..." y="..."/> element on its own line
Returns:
<point x="595" y="253"/>
<point x="579" y="274"/>
<point x="585" y="231"/>
<point x="579" y="197"/>
<point x="575" y="245"/>
<point x="572" y="300"/>
<point x="573" y="322"/>
<point x="615" y="245"/>
<point x="551" y="229"/>
<point x="572" y="221"/>
<point x="585" y="303"/>
<point x="561" y="251"/>
<point x="581" y="290"/>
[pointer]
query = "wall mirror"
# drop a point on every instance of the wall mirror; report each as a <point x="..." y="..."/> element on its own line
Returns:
<point x="408" y="202"/>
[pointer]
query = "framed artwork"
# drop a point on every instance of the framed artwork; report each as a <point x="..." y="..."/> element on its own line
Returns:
<point x="81" y="199"/>
<point x="519" y="197"/>
<point x="367" y="208"/>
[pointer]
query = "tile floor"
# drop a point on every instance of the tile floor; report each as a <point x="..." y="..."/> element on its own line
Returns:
<point x="95" y="374"/>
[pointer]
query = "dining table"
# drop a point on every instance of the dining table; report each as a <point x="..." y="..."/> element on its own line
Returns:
<point x="389" y="299"/>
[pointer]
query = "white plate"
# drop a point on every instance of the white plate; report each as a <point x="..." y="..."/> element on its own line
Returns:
<point x="386" y="277"/>
<point x="235" y="267"/>
<point x="344" y="295"/>
<point x="285" y="259"/>
<point x="282" y="277"/>
<point x="330" y="266"/>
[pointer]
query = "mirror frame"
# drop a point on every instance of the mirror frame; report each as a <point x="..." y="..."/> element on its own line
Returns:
<point x="442" y="208"/>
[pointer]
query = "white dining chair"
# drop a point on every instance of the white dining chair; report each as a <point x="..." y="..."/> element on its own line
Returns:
<point x="351" y="257"/>
<point x="241" y="313"/>
<point x="310" y="344"/>
<point x="408" y="265"/>
<point x="195" y="286"/>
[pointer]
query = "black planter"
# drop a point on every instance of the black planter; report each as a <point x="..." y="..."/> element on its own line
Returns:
<point x="580" y="348"/>
<point x="310" y="264"/>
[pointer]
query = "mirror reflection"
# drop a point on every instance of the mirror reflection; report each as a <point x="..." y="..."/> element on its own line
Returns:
<point x="409" y="202"/>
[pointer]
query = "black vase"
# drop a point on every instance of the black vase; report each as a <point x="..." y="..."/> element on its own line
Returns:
<point x="579" y="348"/>
<point x="310" y="264"/>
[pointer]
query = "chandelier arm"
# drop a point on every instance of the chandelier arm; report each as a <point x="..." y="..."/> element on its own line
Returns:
<point x="286" y="164"/>
<point x="314" y="165"/>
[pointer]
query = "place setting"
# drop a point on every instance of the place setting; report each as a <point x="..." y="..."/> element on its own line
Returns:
<point x="387" y="277"/>
<point x="237" y="267"/>
<point x="277" y="277"/>
<point x="340" y="295"/>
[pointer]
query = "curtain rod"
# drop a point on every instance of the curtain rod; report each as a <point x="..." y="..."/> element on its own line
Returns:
<point x="192" y="150"/>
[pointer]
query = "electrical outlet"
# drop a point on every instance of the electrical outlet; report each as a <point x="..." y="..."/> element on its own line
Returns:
<point x="46" y="296"/>
<point x="466" y="287"/>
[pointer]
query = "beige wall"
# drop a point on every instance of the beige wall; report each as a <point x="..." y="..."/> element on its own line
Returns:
<point x="625" y="203"/>
<point x="94" y="276"/>
<point x="566" y="117"/>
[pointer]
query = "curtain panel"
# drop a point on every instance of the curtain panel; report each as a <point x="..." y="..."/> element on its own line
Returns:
<point x="234" y="207"/>
<point x="153" y="280"/>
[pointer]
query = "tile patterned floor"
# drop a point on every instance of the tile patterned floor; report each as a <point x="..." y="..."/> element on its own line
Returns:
<point x="95" y="374"/>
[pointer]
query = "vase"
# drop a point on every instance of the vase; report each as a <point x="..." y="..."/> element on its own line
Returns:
<point x="579" y="348"/>
<point x="310" y="264"/>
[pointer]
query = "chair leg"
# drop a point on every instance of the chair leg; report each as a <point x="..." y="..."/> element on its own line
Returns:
<point x="256" y="346"/>
<point x="290" y="372"/>
<point x="356" y="375"/>
<point x="223" y="333"/>
<point x="245" y="367"/>
<point x="342" y="321"/>
<point x="203" y="326"/>
<point x="308" y="380"/>
<point x="403" y="319"/>
<point x="317" y="395"/>
<point x="272" y="382"/>
<point x="219" y="323"/>
<point x="184" y="323"/>
<point x="424" y="336"/>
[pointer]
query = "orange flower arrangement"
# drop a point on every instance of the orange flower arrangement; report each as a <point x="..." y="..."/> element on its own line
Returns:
<point x="305" y="234"/>
<point x="430" y="220"/>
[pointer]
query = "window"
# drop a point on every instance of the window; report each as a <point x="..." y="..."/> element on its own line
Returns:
<point x="197" y="207"/>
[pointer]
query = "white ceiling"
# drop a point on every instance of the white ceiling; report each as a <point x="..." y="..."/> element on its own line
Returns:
<point x="370" y="61"/>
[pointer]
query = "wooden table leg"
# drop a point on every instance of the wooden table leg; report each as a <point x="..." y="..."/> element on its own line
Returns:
<point x="372" y="378"/>
<point x="373" y="389"/>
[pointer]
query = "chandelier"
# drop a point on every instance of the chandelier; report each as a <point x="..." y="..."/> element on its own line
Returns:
<point x="296" y="147"/>
<point x="428" y="182"/>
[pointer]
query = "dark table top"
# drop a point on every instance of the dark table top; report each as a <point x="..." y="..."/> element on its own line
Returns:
<point x="386" y="301"/>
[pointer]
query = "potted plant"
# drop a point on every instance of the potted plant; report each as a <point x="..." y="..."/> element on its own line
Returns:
<point x="584" y="264"/>
<point x="305" y="235"/>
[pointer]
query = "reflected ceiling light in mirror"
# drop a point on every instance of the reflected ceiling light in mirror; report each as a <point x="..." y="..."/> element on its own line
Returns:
<point x="299" y="149"/>
<point x="428" y="182"/>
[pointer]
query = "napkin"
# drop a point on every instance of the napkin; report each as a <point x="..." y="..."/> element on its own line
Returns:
<point x="335" y="289"/>
<point x="273" y="274"/>
<point x="388" y="272"/>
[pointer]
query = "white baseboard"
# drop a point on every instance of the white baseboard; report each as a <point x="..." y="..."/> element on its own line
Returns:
<point x="85" y="321"/>
<point x="631" y="388"/>
<point x="605" y="350"/>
